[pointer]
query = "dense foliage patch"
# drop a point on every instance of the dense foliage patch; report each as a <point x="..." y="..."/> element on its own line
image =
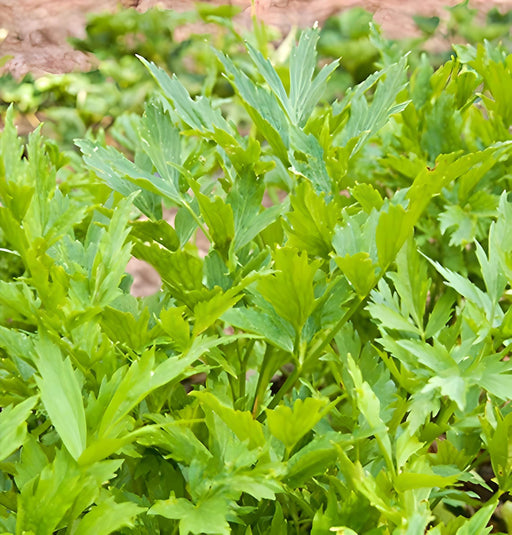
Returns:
<point x="336" y="360"/>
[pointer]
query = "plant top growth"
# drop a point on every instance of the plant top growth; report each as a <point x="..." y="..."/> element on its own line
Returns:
<point x="337" y="361"/>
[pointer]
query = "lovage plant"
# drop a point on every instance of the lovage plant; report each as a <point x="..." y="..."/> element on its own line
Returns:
<point x="336" y="360"/>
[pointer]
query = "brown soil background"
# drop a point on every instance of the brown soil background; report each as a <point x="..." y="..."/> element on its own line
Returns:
<point x="37" y="33"/>
<point x="38" y="30"/>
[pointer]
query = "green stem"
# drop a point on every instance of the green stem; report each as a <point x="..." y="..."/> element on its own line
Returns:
<point x="445" y="414"/>
<point x="199" y="222"/>
<point x="287" y="386"/>
<point x="316" y="352"/>
<point x="243" y="369"/>
<point x="263" y="379"/>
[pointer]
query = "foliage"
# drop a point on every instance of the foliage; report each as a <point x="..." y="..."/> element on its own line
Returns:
<point x="336" y="360"/>
<point x="69" y="105"/>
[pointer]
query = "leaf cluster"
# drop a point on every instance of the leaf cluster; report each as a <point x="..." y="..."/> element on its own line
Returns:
<point x="335" y="359"/>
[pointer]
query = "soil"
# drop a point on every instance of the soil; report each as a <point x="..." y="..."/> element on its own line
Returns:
<point x="36" y="36"/>
<point x="37" y="31"/>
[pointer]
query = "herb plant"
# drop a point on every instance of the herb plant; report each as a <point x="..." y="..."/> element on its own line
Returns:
<point x="336" y="360"/>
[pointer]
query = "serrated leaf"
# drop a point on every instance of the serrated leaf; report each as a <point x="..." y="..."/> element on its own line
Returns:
<point x="124" y="176"/>
<point x="108" y="517"/>
<point x="478" y="523"/>
<point x="161" y="142"/>
<point x="412" y="480"/>
<point x="290" y="290"/>
<point x="310" y="461"/>
<point x="366" y="120"/>
<point x="14" y="426"/>
<point x="440" y="315"/>
<point x="359" y="270"/>
<point x="206" y="516"/>
<point x="242" y="423"/>
<point x="390" y="319"/>
<point x="311" y="221"/>
<point x="393" y="229"/>
<point x="289" y="425"/>
<point x="61" y="396"/>
<point x="367" y="196"/>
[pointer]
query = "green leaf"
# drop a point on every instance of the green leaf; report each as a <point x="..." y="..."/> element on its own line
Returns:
<point x="448" y="168"/>
<point x="108" y="517"/>
<point x="160" y="140"/>
<point x="367" y="196"/>
<point x="305" y="91"/>
<point x="206" y="516"/>
<point x="274" y="329"/>
<point x="311" y="222"/>
<point x="289" y="425"/>
<point x="142" y="377"/>
<point x="466" y="288"/>
<point x="393" y="229"/>
<point x="366" y="120"/>
<point x="501" y="456"/>
<point x="218" y="216"/>
<point x="158" y="231"/>
<point x="263" y="107"/>
<point x="412" y="480"/>
<point x="242" y="423"/>
<point x="478" y="523"/>
<point x="61" y="396"/>
<point x="199" y="114"/>
<point x="310" y="461"/>
<point x="124" y="176"/>
<point x="249" y="219"/>
<point x="359" y="270"/>
<point x="370" y="407"/>
<point x="14" y="426"/>
<point x="391" y="319"/>
<point x="176" y="326"/>
<point x="290" y="290"/>
<point x="440" y="315"/>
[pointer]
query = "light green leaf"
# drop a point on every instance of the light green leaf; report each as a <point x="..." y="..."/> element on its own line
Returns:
<point x="412" y="480"/>
<point x="61" y="396"/>
<point x="274" y="329"/>
<point x="440" y="315"/>
<point x="206" y="516"/>
<point x="108" y="517"/>
<point x="393" y="229"/>
<point x="242" y="423"/>
<point x="311" y="221"/>
<point x="359" y="270"/>
<point x="366" y="120"/>
<point x="478" y="523"/>
<point x="367" y="196"/>
<point x="290" y="290"/>
<point x="289" y="425"/>
<point x="14" y="426"/>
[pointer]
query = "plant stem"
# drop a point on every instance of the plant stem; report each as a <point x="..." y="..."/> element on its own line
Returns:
<point x="334" y="331"/>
